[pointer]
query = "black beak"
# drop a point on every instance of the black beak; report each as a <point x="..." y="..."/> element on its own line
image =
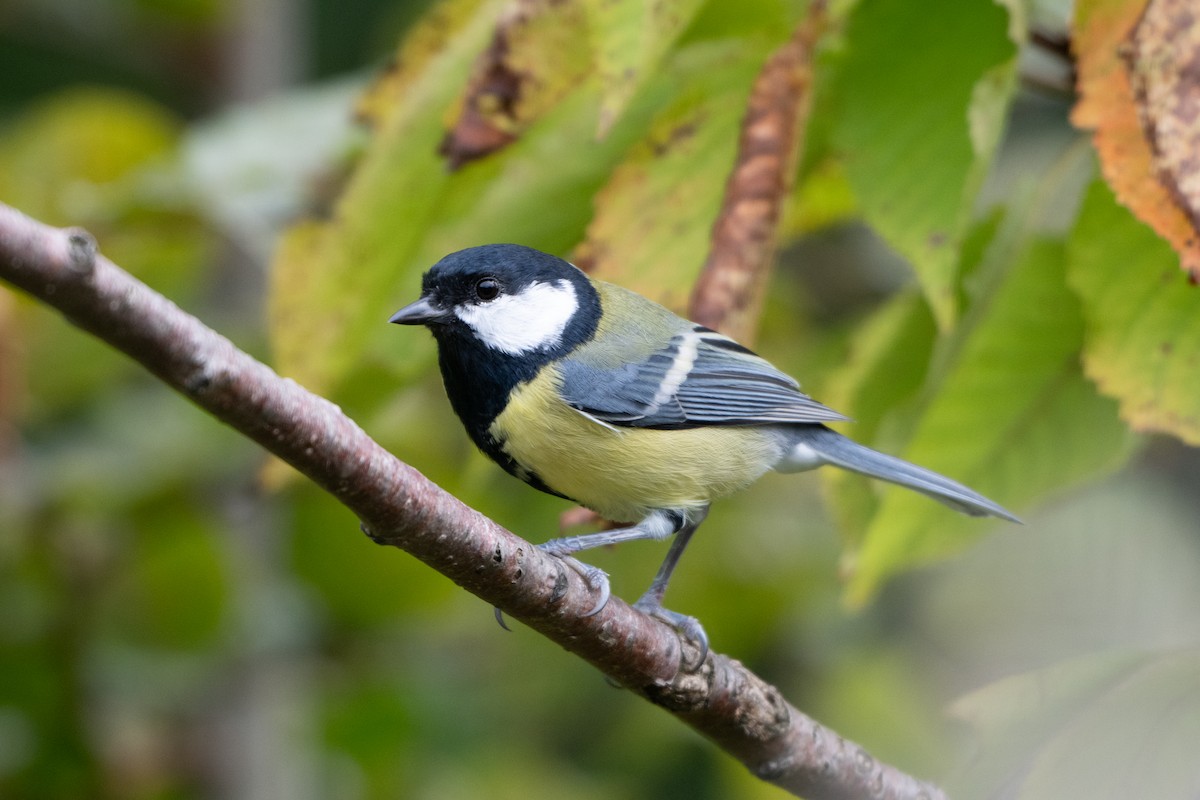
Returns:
<point x="422" y="312"/>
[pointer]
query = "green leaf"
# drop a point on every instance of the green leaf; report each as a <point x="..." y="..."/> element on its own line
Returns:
<point x="1008" y="413"/>
<point x="630" y="38"/>
<point x="923" y="102"/>
<point x="532" y="61"/>
<point x="1142" y="341"/>
<point x="653" y="219"/>
<point x="884" y="372"/>
<point x="65" y="152"/>
<point x="821" y="199"/>
<point x="103" y="159"/>
<point x="440" y="29"/>
<point x="329" y="291"/>
<point x="1115" y="725"/>
<point x="769" y="20"/>
<point x="336" y="280"/>
<point x="542" y="46"/>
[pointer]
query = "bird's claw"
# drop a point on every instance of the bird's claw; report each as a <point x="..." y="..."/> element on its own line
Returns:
<point x="687" y="627"/>
<point x="594" y="577"/>
<point x="597" y="581"/>
<point x="500" y="619"/>
<point x="370" y="534"/>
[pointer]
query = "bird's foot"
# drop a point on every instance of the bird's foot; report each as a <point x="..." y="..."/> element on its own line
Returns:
<point x="594" y="577"/>
<point x="687" y="627"/>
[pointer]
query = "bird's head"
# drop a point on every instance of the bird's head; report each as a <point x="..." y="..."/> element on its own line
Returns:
<point x="508" y="298"/>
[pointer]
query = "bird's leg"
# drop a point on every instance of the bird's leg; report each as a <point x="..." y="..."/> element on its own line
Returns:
<point x="657" y="525"/>
<point x="651" y="601"/>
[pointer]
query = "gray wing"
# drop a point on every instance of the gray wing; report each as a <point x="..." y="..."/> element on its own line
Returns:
<point x="700" y="378"/>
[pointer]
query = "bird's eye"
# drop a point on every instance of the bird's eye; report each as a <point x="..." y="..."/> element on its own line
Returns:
<point x="487" y="289"/>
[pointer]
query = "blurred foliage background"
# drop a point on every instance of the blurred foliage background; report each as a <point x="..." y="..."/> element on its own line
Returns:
<point x="180" y="619"/>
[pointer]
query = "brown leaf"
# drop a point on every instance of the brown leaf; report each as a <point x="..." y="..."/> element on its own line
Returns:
<point x="728" y="293"/>
<point x="651" y="230"/>
<point x="425" y="41"/>
<point x="534" y="58"/>
<point x="1139" y="88"/>
<point x="488" y="119"/>
<point x="1164" y="59"/>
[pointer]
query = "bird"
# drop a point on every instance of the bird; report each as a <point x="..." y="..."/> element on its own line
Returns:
<point x="592" y="392"/>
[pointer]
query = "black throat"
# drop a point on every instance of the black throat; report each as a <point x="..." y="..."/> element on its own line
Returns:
<point x="479" y="379"/>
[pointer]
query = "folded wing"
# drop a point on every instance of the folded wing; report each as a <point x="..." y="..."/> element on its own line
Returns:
<point x="700" y="378"/>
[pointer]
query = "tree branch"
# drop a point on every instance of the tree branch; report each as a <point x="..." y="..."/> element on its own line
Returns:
<point x="719" y="698"/>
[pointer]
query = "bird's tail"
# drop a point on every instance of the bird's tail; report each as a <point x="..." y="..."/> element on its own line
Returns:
<point x="830" y="447"/>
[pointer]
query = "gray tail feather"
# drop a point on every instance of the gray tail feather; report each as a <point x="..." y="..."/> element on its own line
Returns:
<point x="848" y="454"/>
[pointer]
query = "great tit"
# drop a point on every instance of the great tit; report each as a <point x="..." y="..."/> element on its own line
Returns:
<point x="591" y="392"/>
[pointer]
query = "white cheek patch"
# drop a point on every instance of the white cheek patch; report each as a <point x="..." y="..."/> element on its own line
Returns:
<point x="532" y="319"/>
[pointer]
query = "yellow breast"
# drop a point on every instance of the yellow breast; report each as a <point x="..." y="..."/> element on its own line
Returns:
<point x="623" y="473"/>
